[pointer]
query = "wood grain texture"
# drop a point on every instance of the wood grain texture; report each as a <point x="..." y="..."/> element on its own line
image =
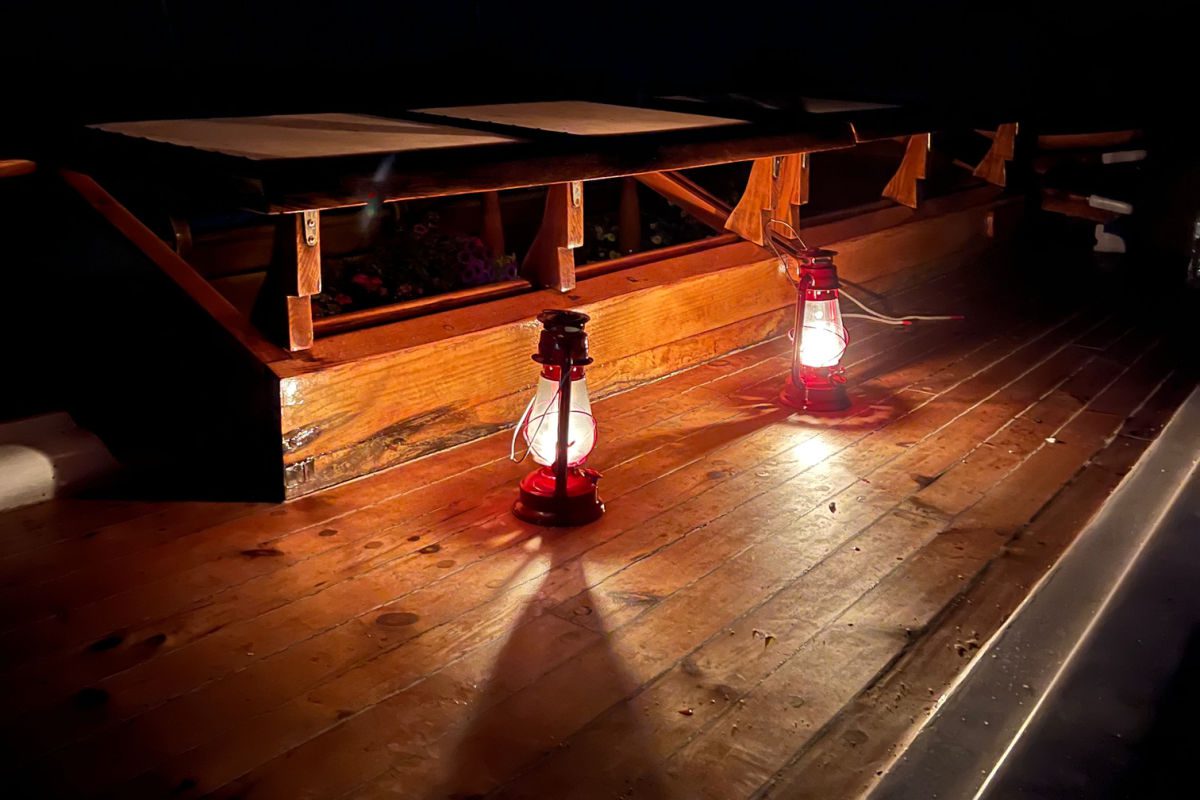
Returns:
<point x="775" y="190"/>
<point x="993" y="167"/>
<point x="762" y="612"/>
<point x="903" y="186"/>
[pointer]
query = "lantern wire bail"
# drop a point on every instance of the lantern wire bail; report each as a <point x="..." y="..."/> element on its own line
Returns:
<point x="512" y="450"/>
<point x="871" y="314"/>
<point x="524" y="420"/>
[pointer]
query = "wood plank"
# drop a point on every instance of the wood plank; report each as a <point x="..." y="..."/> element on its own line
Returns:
<point x="193" y="657"/>
<point x="478" y="582"/>
<point x="303" y="135"/>
<point x="619" y="559"/>
<point x="869" y="636"/>
<point x="581" y="118"/>
<point x="702" y="679"/>
<point x="892" y="710"/>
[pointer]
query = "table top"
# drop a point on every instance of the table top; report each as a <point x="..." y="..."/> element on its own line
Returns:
<point x="287" y="163"/>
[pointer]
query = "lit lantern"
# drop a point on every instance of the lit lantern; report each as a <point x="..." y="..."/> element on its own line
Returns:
<point x="817" y="381"/>
<point x="559" y="429"/>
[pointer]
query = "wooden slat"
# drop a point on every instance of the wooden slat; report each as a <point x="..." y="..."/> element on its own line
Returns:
<point x="651" y="533"/>
<point x="895" y="706"/>
<point x="876" y="629"/>
<point x="729" y="587"/>
<point x="749" y="450"/>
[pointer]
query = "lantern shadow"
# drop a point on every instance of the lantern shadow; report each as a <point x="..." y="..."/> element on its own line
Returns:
<point x="867" y="410"/>
<point x="863" y="414"/>
<point x="534" y="701"/>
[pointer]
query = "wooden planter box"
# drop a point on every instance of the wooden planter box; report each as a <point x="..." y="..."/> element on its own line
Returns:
<point x="396" y="387"/>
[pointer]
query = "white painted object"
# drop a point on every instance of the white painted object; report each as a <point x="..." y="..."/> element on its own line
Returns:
<point x="1123" y="156"/>
<point x="1108" y="204"/>
<point x="1108" y="242"/>
<point x="48" y="456"/>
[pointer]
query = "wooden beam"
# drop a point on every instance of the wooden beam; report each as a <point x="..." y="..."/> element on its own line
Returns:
<point x="1082" y="141"/>
<point x="14" y="167"/>
<point x="775" y="190"/>
<point x="694" y="199"/>
<point x="992" y="168"/>
<point x="550" y="262"/>
<point x="284" y="305"/>
<point x="903" y="186"/>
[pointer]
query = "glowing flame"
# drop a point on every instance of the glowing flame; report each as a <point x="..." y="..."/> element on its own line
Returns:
<point x="541" y="428"/>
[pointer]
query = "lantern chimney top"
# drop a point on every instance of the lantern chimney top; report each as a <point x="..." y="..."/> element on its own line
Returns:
<point x="563" y="340"/>
<point x="817" y="265"/>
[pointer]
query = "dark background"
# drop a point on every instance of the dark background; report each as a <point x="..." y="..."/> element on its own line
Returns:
<point x="155" y="58"/>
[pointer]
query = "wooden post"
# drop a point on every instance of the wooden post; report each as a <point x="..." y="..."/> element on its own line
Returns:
<point x="493" y="224"/>
<point x="776" y="189"/>
<point x="992" y="167"/>
<point x="903" y="186"/>
<point x="284" y="306"/>
<point x="550" y="262"/>
<point x="629" y="218"/>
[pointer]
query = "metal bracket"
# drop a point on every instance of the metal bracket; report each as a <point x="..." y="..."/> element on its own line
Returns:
<point x="310" y="228"/>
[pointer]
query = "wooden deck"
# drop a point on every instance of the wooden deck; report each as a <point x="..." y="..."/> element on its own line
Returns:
<point x="770" y="606"/>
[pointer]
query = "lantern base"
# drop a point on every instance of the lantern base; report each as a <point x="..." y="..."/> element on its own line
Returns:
<point x="815" y="399"/>
<point x="541" y="505"/>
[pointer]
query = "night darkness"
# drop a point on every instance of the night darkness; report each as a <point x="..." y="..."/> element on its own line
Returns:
<point x="158" y="58"/>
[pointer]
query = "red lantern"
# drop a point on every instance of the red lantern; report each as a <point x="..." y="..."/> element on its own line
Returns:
<point x="559" y="429"/>
<point x="817" y="381"/>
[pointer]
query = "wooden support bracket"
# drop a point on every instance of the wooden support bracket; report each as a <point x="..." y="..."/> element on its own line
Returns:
<point x="903" y="186"/>
<point x="284" y="305"/>
<point x="992" y="167"/>
<point x="776" y="189"/>
<point x="550" y="262"/>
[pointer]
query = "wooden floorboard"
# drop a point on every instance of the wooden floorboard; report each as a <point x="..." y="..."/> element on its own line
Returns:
<point x="770" y="607"/>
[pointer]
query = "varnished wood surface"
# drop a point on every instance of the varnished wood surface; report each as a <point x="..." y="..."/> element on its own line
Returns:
<point x="303" y="135"/>
<point x="770" y="604"/>
<point x="441" y="380"/>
